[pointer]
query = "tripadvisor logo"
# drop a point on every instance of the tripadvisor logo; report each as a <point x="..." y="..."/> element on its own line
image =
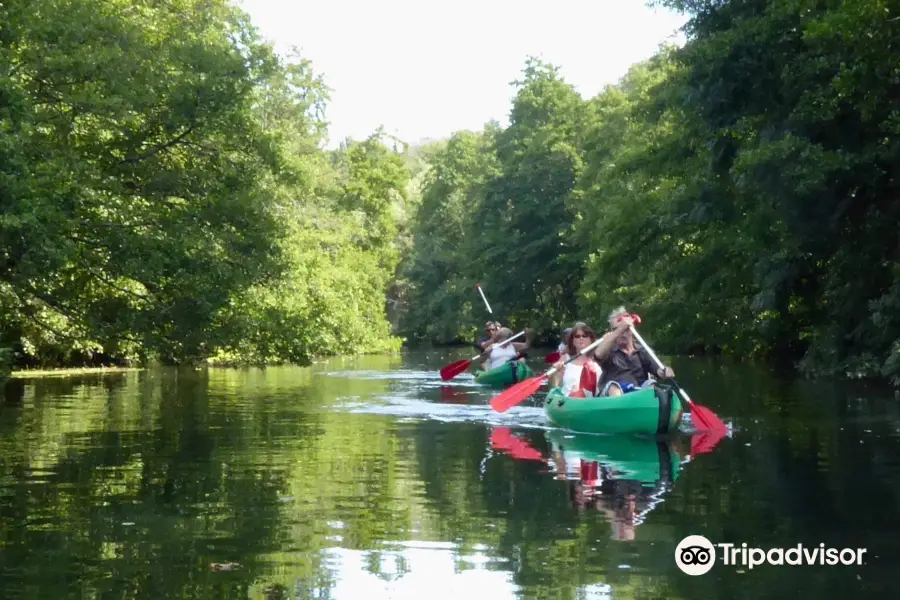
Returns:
<point x="696" y="555"/>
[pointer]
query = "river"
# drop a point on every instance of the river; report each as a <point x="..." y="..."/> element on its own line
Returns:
<point x="371" y="478"/>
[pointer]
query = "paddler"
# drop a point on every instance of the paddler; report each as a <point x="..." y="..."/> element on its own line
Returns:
<point x="490" y="328"/>
<point x="580" y="377"/>
<point x="626" y="366"/>
<point x="499" y="355"/>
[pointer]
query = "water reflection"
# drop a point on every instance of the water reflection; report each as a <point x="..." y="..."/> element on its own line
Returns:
<point x="455" y="395"/>
<point x="410" y="573"/>
<point x="371" y="474"/>
<point x="622" y="477"/>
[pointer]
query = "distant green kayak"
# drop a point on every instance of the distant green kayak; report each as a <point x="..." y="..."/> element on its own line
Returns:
<point x="630" y="457"/>
<point x="506" y="374"/>
<point x="650" y="411"/>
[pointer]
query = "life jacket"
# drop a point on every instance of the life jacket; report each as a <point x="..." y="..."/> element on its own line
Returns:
<point x="588" y="382"/>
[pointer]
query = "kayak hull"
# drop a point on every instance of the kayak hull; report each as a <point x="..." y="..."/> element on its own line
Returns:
<point x="652" y="411"/>
<point x="506" y="374"/>
<point x="629" y="457"/>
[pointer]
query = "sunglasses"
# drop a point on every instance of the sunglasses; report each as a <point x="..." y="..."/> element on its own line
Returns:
<point x="583" y="336"/>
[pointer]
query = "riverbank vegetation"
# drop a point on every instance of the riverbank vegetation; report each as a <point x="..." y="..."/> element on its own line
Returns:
<point x="166" y="196"/>
<point x="740" y="193"/>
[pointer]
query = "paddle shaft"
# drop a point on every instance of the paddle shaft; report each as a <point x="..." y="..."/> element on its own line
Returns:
<point x="587" y="349"/>
<point x="454" y="369"/>
<point x="483" y="298"/>
<point x="512" y="396"/>
<point x="658" y="362"/>
<point x="503" y="343"/>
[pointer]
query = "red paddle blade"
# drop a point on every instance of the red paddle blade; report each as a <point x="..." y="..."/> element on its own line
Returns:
<point x="503" y="439"/>
<point x="704" y="443"/>
<point x="452" y="370"/>
<point x="506" y="399"/>
<point x="703" y="418"/>
<point x="551" y="358"/>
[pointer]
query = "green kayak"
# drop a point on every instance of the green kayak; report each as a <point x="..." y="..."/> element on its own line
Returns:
<point x="506" y="374"/>
<point x="650" y="411"/>
<point x="638" y="459"/>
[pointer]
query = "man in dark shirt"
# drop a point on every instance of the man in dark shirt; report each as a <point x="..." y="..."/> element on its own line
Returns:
<point x="490" y="328"/>
<point x="626" y="367"/>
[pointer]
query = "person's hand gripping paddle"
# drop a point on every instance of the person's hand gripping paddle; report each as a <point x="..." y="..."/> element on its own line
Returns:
<point x="702" y="417"/>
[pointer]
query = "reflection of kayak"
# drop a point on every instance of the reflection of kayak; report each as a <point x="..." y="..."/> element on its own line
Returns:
<point x="650" y="411"/>
<point x="506" y="374"/>
<point x="628" y="457"/>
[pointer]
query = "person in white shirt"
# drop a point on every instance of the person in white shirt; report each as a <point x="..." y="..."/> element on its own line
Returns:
<point x="499" y="355"/>
<point x="571" y="376"/>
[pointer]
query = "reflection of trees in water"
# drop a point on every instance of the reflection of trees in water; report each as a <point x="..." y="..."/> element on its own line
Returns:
<point x="201" y="466"/>
<point x="126" y="511"/>
<point x="626" y="503"/>
<point x="523" y="514"/>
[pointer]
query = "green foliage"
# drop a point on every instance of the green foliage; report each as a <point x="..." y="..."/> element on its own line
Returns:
<point x="164" y="195"/>
<point x="527" y="245"/>
<point x="494" y="211"/>
<point x="167" y="175"/>
<point x="438" y="300"/>
<point x="795" y="102"/>
<point x="739" y="192"/>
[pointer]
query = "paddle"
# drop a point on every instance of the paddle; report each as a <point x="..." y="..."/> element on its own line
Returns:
<point x="503" y="439"/>
<point x="706" y="418"/>
<point x="478" y="287"/>
<point x="508" y="398"/>
<point x="552" y="358"/>
<point x="705" y="442"/>
<point x="454" y="369"/>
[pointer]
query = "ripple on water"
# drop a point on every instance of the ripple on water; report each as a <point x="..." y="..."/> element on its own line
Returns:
<point x="416" y="409"/>
<point x="398" y="375"/>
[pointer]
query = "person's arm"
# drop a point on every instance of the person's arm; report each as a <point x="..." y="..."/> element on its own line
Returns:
<point x="487" y="342"/>
<point x="650" y="366"/>
<point x="523" y="345"/>
<point x="556" y="378"/>
<point x="483" y="343"/>
<point x="609" y="339"/>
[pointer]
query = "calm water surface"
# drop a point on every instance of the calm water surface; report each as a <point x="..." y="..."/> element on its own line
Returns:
<point x="371" y="478"/>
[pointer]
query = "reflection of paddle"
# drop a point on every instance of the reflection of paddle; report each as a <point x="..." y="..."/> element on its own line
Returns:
<point x="505" y="400"/>
<point x="706" y="442"/>
<point x="707" y="418"/>
<point x="453" y="395"/>
<point x="454" y="369"/>
<point x="503" y="439"/>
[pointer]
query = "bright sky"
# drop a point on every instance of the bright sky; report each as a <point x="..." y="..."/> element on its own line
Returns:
<point x="425" y="69"/>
